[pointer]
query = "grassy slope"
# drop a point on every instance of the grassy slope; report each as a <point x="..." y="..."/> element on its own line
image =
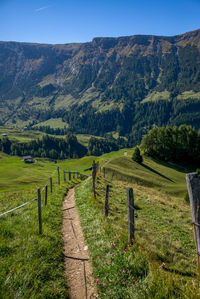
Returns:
<point x="167" y="177"/>
<point x="163" y="235"/>
<point x="53" y="123"/>
<point x="20" y="135"/>
<point x="16" y="175"/>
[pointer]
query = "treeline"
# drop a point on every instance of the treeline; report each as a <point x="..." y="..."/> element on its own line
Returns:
<point x="176" y="144"/>
<point x="52" y="131"/>
<point x="99" y="146"/>
<point x="46" y="147"/>
<point x="60" y="148"/>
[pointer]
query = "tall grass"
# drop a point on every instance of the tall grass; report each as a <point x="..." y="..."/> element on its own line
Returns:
<point x="162" y="261"/>
<point x="32" y="265"/>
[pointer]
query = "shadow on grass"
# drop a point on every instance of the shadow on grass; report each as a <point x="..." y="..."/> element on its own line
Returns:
<point x="156" y="172"/>
<point x="177" y="167"/>
<point x="182" y="273"/>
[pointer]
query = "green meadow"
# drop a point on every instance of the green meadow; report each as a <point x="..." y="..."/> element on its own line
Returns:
<point x="20" y="135"/>
<point x="165" y="177"/>
<point x="161" y="262"/>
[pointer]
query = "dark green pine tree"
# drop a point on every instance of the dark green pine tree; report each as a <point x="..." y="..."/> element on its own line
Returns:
<point x="137" y="157"/>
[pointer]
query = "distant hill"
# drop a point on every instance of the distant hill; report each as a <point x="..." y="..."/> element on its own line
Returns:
<point x="126" y="84"/>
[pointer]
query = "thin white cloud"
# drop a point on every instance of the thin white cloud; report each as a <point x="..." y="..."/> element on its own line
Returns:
<point x="42" y="8"/>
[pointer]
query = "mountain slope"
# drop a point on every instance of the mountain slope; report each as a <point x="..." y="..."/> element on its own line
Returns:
<point x="121" y="78"/>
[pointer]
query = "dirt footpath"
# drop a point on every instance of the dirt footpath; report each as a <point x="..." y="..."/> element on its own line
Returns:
<point x="77" y="266"/>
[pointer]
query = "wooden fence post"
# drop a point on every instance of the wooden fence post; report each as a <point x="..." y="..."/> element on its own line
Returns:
<point x="46" y="194"/>
<point x="130" y="204"/>
<point x="51" y="185"/>
<point x="39" y="212"/>
<point x="64" y="176"/>
<point x="93" y="178"/>
<point x="106" y="206"/>
<point x="193" y="186"/>
<point x="69" y="175"/>
<point x="58" y="176"/>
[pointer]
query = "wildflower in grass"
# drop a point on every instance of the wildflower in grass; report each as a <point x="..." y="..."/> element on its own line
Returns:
<point x="115" y="237"/>
<point x="133" y="240"/>
<point x="98" y="257"/>
<point x="125" y="250"/>
<point x="162" y="265"/>
<point x="104" y="247"/>
<point x="118" y="236"/>
<point x="129" y="245"/>
<point x="97" y="280"/>
<point x="106" y="262"/>
<point x="123" y="271"/>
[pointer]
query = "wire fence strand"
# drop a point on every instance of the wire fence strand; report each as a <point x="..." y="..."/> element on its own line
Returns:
<point x="22" y="205"/>
<point x="18" y="207"/>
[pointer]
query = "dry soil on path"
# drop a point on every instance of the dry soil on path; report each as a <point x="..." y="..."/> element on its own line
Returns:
<point x="77" y="265"/>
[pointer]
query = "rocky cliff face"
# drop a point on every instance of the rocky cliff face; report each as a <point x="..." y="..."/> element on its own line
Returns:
<point x="39" y="77"/>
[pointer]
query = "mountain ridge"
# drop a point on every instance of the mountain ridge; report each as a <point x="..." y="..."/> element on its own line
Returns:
<point x="40" y="81"/>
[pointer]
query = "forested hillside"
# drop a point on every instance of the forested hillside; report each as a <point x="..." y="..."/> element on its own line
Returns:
<point x="126" y="84"/>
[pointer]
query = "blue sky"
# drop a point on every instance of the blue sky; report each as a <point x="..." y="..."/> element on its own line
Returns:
<point x="65" y="21"/>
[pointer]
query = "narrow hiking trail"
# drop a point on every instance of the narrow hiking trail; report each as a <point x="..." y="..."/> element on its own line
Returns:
<point x="78" y="269"/>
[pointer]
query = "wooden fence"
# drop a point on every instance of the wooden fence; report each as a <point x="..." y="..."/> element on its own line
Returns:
<point x="76" y="175"/>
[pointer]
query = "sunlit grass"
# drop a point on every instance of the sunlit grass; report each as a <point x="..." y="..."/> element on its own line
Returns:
<point x="32" y="265"/>
<point x="162" y="259"/>
<point x="166" y="177"/>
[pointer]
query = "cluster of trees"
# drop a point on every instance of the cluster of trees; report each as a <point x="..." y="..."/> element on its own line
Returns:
<point x="61" y="148"/>
<point x="46" y="147"/>
<point x="98" y="146"/>
<point x="177" y="144"/>
<point x="53" y="131"/>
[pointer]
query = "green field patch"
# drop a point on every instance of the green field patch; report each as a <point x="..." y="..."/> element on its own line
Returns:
<point x="157" y="96"/>
<point x="190" y="94"/>
<point x="20" y="135"/>
<point x="53" y="123"/>
<point x="16" y="175"/>
<point x="62" y="102"/>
